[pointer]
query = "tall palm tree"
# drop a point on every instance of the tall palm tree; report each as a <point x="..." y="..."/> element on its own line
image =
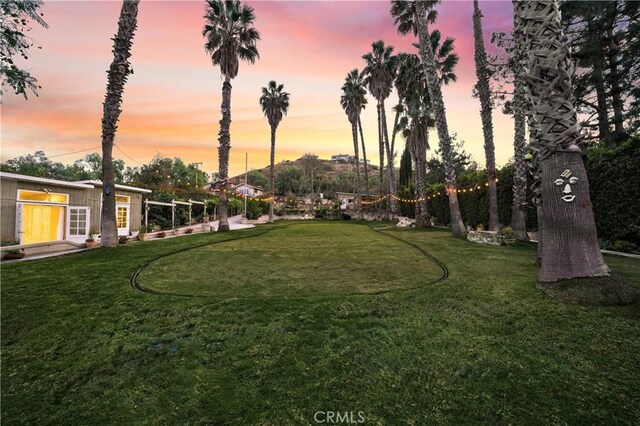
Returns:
<point x="275" y="104"/>
<point x="353" y="101"/>
<point x="570" y="239"/>
<point x="519" y="104"/>
<point x="412" y="16"/>
<point x="364" y="158"/>
<point x="117" y="77"/>
<point x="486" y="108"/>
<point x="380" y="71"/>
<point x="414" y="126"/>
<point x="230" y="36"/>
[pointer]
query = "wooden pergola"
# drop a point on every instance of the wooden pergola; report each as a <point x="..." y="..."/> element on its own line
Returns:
<point x="173" y="205"/>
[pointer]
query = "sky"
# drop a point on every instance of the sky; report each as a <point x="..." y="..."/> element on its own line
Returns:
<point x="171" y="104"/>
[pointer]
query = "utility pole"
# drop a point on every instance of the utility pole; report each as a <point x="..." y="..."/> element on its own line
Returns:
<point x="246" y="181"/>
<point x="196" y="164"/>
<point x="313" y="206"/>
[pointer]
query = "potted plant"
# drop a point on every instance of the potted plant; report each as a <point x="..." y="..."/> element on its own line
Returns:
<point x="14" y="254"/>
<point x="144" y="232"/>
<point x="135" y="231"/>
<point x="509" y="235"/>
<point x="123" y="239"/>
<point x="94" y="234"/>
<point x="90" y="242"/>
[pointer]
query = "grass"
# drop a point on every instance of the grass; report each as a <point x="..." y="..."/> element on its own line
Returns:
<point x="316" y="260"/>
<point x="81" y="346"/>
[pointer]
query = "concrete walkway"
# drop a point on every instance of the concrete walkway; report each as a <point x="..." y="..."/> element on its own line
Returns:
<point x="235" y="222"/>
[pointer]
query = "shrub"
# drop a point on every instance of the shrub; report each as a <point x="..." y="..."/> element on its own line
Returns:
<point x="508" y="233"/>
<point x="623" y="246"/>
<point x="614" y="184"/>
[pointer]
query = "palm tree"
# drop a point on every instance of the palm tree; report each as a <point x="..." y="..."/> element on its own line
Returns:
<point x="275" y="104"/>
<point x="117" y="77"/>
<point x="486" y="107"/>
<point x="570" y="239"/>
<point x="380" y="72"/>
<point x="230" y="36"/>
<point x="353" y="101"/>
<point x="414" y="126"/>
<point x="519" y="204"/>
<point x="364" y="158"/>
<point x="412" y="16"/>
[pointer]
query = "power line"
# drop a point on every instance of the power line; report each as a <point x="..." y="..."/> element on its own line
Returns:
<point x="125" y="154"/>
<point x="74" y="152"/>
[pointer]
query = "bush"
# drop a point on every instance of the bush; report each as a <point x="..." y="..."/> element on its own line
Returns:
<point x="623" y="246"/>
<point x="614" y="184"/>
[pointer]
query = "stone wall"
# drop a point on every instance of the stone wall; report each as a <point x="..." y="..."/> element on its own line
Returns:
<point x="485" y="237"/>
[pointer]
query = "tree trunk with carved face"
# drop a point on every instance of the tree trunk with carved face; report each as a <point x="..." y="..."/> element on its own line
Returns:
<point x="570" y="239"/>
<point x="437" y="103"/>
<point x="486" y="107"/>
<point x="117" y="77"/>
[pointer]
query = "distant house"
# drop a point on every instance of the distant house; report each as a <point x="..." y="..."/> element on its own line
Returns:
<point x="346" y="158"/>
<point x="341" y="158"/>
<point x="346" y="200"/>
<point x="235" y="185"/>
<point x="40" y="210"/>
<point x="248" y="190"/>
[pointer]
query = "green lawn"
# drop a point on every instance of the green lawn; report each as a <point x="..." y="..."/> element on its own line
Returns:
<point x="81" y="346"/>
<point x="294" y="261"/>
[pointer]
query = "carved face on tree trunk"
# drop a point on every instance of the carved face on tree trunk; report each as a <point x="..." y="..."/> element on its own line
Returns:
<point x="565" y="181"/>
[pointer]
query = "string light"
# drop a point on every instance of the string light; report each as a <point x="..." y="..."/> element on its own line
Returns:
<point x="432" y="196"/>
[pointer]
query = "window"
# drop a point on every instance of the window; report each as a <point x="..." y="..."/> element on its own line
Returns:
<point x="122" y="217"/>
<point x="122" y="199"/>
<point x="77" y="222"/>
<point x="43" y="197"/>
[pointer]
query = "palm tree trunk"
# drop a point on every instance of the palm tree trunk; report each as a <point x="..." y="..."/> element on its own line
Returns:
<point x="381" y="153"/>
<point x="519" y="205"/>
<point x="570" y="240"/>
<point x="357" y="196"/>
<point x="393" y="130"/>
<point x="271" y="173"/>
<point x="224" y="141"/>
<point x="535" y="170"/>
<point x="391" y="176"/>
<point x="435" y="93"/>
<point x="419" y="154"/>
<point x="364" y="157"/>
<point x="486" y="107"/>
<point x="616" y="90"/>
<point x="117" y="77"/>
<point x="601" y="95"/>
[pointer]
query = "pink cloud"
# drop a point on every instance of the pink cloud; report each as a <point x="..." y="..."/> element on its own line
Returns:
<point x="172" y="100"/>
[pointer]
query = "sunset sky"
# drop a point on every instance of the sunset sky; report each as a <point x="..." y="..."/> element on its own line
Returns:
<point x="172" y="101"/>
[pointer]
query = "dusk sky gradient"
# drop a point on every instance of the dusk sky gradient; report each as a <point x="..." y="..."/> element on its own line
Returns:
<point x="172" y="101"/>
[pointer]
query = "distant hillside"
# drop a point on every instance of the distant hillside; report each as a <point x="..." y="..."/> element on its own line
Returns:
<point x="327" y="167"/>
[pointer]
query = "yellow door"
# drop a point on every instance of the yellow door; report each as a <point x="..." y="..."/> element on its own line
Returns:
<point x="40" y="223"/>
